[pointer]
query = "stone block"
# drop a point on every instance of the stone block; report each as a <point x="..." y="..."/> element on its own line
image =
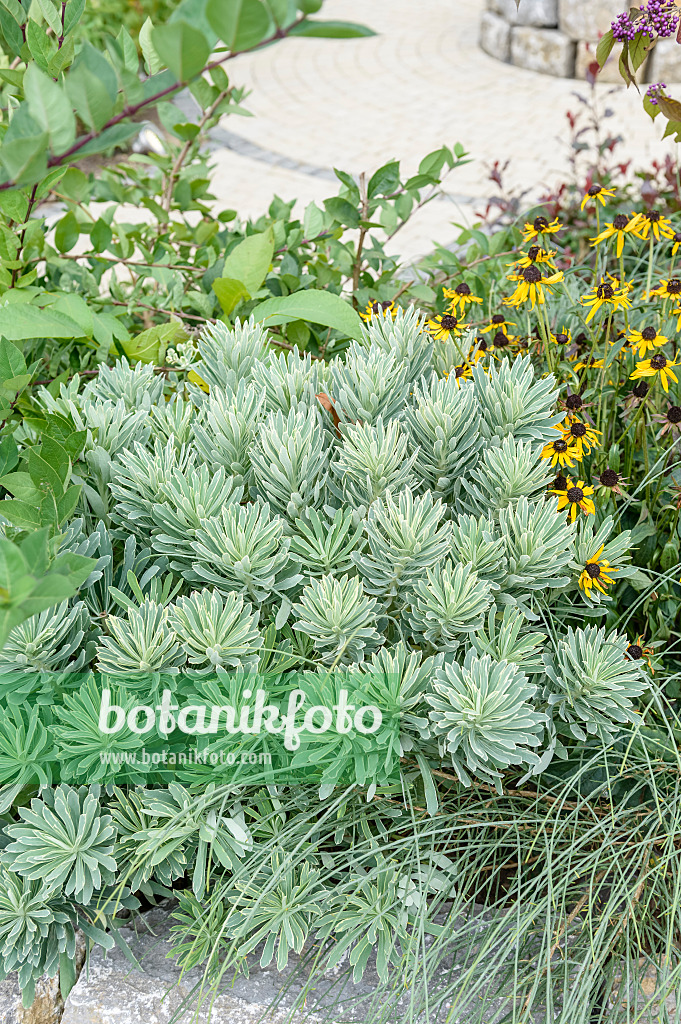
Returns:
<point x="495" y="36"/>
<point x="543" y="49"/>
<point x="538" y="13"/>
<point x="664" y="63"/>
<point x="588" y="19"/>
<point x="609" y="73"/>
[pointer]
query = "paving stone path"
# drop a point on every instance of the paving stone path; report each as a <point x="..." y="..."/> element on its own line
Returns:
<point x="421" y="82"/>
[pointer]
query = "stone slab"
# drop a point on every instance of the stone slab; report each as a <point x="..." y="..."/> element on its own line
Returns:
<point x="545" y="50"/>
<point x="46" y="1008"/>
<point x="495" y="36"/>
<point x="539" y="13"/>
<point x="664" y="63"/>
<point x="588" y="19"/>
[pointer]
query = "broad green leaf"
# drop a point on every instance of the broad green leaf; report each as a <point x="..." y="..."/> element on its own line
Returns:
<point x="14" y="203"/>
<point x="21" y="486"/>
<point x="72" y="15"/>
<point x="51" y="15"/>
<point x="604" y="48"/>
<point x="11" y="25"/>
<point x="240" y="24"/>
<point x="66" y="233"/>
<point x="638" y="49"/>
<point x="89" y="96"/>
<point x="229" y="292"/>
<point x="21" y="322"/>
<point x="385" y="180"/>
<point x="317" y="307"/>
<point x="12" y="362"/>
<point x="43" y="474"/>
<point x="9" y="454"/>
<point x="56" y="457"/>
<point x="194" y="12"/>
<point x="150" y="346"/>
<point x="342" y="211"/>
<point x="12" y="568"/>
<point x="128" y="50"/>
<point x="332" y="29"/>
<point x="22" y="514"/>
<point x="42" y="47"/>
<point x="250" y="260"/>
<point x="182" y="48"/>
<point x="23" y="151"/>
<point x="14" y="8"/>
<point x="152" y="59"/>
<point x="313" y="222"/>
<point x="75" y="307"/>
<point x="116" y="135"/>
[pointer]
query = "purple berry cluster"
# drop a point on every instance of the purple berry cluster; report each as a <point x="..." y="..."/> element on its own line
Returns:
<point x="659" y="18"/>
<point x="623" y="28"/>
<point x="662" y="17"/>
<point x="654" y="90"/>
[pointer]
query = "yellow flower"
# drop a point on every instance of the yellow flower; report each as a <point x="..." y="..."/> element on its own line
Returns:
<point x="535" y="254"/>
<point x="539" y="227"/>
<point x="479" y="349"/>
<point x="677" y="313"/>
<point x="646" y="339"/>
<point x="658" y="364"/>
<point x="576" y="496"/>
<point x="593" y="364"/>
<point x="460" y="372"/>
<point x="605" y="294"/>
<point x="563" y="337"/>
<point x="670" y="289"/>
<point x="596" y="573"/>
<point x="498" y="323"/>
<point x="195" y="379"/>
<point x="598" y="193"/>
<point x="677" y="242"/>
<point x="582" y="436"/>
<point x="560" y="453"/>
<point x="531" y="285"/>
<point x="379" y="309"/>
<point x="653" y="220"/>
<point x="445" y="324"/>
<point x="461" y="297"/>
<point x="621" y="226"/>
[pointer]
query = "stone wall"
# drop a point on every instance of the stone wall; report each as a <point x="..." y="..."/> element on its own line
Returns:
<point x="559" y="37"/>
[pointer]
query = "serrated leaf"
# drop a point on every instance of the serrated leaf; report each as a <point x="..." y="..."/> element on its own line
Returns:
<point x="12" y="362"/>
<point x="317" y="307"/>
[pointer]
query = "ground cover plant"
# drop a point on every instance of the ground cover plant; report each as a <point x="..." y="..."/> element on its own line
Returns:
<point x="260" y="456"/>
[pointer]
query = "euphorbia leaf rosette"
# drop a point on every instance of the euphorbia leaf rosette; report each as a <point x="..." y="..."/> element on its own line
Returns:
<point x="484" y="718"/>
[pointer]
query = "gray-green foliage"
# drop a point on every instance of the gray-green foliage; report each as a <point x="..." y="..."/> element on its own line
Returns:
<point x="368" y="515"/>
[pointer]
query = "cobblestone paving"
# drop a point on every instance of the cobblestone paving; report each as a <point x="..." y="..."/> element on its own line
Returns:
<point x="422" y="81"/>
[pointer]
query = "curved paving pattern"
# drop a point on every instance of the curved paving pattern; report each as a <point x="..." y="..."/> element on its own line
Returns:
<point x="422" y="81"/>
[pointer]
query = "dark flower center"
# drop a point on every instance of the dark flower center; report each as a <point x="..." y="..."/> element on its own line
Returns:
<point x="649" y="333"/>
<point x="560" y="483"/>
<point x="560" y="446"/>
<point x="459" y="370"/>
<point x="620" y="221"/>
<point x="674" y="286"/>
<point x="378" y="307"/>
<point x="609" y="478"/>
<point x="634" y="651"/>
<point x="573" y="402"/>
<point x="462" y="289"/>
<point x="500" y="339"/>
<point x="640" y="389"/>
<point x="532" y="274"/>
<point x="578" y="430"/>
<point x="498" y="318"/>
<point x="594" y="570"/>
<point x="653" y="216"/>
<point x="605" y="291"/>
<point x="581" y="338"/>
<point x="677" y="236"/>
<point x="674" y="414"/>
<point x="482" y="344"/>
<point x="562" y="339"/>
<point x="540" y="224"/>
<point x="448" y="322"/>
<point x="533" y="252"/>
<point x="595" y="189"/>
<point x="575" y="494"/>
<point x="658" y="362"/>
